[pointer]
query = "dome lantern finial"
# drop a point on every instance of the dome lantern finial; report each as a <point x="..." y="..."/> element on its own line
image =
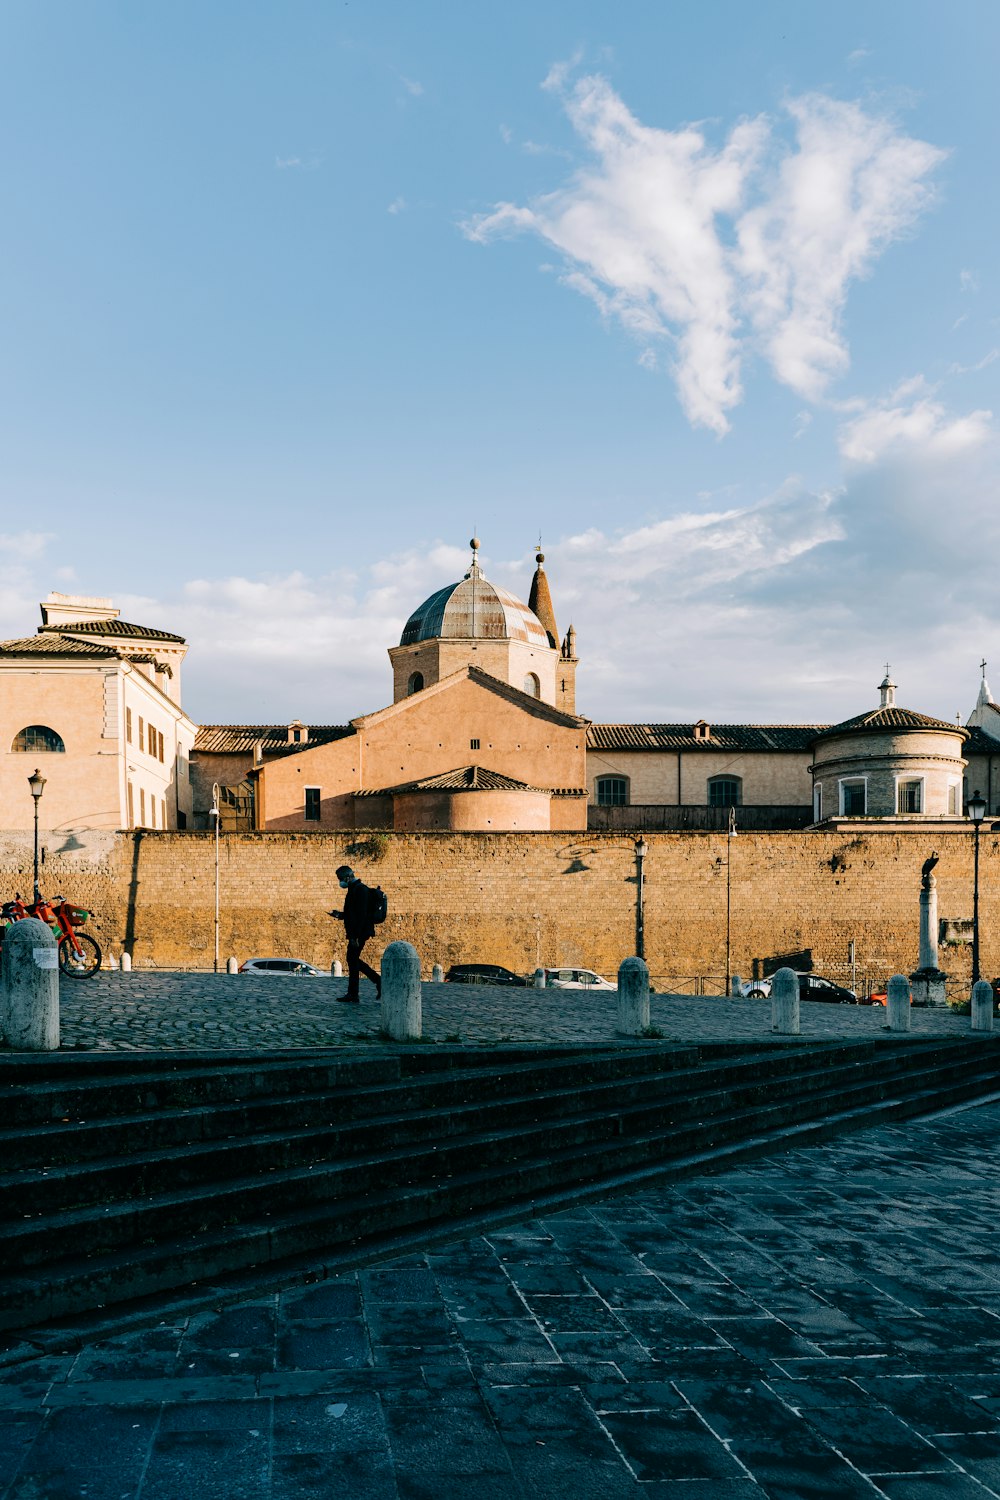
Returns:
<point x="474" y="569"/>
<point x="887" y="689"/>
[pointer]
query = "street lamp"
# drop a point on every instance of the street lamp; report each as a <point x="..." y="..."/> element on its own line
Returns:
<point x="641" y="850"/>
<point x="976" y="808"/>
<point x="214" y="813"/>
<point x="37" y="784"/>
<point x="730" y="835"/>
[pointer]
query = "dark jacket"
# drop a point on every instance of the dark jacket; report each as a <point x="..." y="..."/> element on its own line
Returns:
<point x="358" y="924"/>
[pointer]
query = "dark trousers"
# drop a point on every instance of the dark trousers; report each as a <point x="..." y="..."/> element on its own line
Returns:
<point x="356" y="966"/>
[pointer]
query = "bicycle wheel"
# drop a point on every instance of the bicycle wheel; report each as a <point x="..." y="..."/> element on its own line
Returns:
<point x="80" y="965"/>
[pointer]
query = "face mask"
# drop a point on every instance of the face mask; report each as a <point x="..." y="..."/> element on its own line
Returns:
<point x="344" y="884"/>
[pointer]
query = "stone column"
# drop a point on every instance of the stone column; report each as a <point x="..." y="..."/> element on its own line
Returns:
<point x="785" y="1002"/>
<point x="29" y="987"/>
<point x="928" y="981"/>
<point x="232" y="967"/>
<point x="897" y="1003"/>
<point x="982" y="1006"/>
<point x="437" y="974"/>
<point x="633" y="997"/>
<point x="402" y="1009"/>
<point x="539" y="980"/>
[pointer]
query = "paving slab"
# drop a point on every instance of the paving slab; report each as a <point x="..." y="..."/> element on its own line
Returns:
<point x="823" y="1323"/>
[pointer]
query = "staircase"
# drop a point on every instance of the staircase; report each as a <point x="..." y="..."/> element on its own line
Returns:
<point x="129" y="1176"/>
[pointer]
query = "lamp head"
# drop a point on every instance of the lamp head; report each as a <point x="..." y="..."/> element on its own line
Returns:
<point x="977" y="807"/>
<point x="641" y="848"/>
<point x="37" y="783"/>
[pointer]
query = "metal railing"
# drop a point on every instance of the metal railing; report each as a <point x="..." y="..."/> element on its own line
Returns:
<point x="664" y="818"/>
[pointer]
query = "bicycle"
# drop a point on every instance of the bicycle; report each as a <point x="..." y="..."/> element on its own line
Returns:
<point x="79" y="953"/>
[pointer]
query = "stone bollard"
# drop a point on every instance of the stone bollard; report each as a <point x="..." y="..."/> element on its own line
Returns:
<point x="897" y="1003"/>
<point x="112" y="962"/>
<point x="785" y="1002"/>
<point x="126" y="965"/>
<point x="437" y="974"/>
<point x="982" y="1006"/>
<point x="232" y="967"/>
<point x="736" y="987"/>
<point x="402" y="1013"/>
<point x="539" y="979"/>
<point x="29" y="987"/>
<point x="337" y="969"/>
<point x="633" y="997"/>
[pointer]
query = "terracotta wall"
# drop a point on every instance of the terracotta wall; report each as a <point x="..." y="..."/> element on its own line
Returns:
<point x="518" y="899"/>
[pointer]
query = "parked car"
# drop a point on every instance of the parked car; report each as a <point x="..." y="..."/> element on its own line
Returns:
<point x="283" y="966"/>
<point x="577" y="979"/>
<point x="881" y="997"/>
<point x="755" y="989"/>
<point x="815" y="987"/>
<point x="483" y="974"/>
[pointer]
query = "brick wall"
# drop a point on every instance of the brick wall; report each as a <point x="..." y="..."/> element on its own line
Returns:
<point x="517" y="898"/>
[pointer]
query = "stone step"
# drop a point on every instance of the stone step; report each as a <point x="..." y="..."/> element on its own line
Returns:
<point x="150" y="1154"/>
<point x="280" y="1244"/>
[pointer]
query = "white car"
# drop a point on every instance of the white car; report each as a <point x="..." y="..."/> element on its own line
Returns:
<point x="576" y="979"/>
<point x="283" y="966"/>
<point x="755" y="989"/>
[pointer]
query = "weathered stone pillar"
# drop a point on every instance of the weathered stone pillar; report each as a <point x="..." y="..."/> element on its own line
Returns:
<point x="402" y="996"/>
<point x="337" y="969"/>
<point x="982" y="1006"/>
<point x="785" y="1002"/>
<point x="437" y="974"/>
<point x="897" y="1003"/>
<point x="539" y="980"/>
<point x="29" y="987"/>
<point x="736" y="987"/>
<point x="126" y="963"/>
<point x="633" y="997"/>
<point x="232" y="967"/>
<point x="928" y="981"/>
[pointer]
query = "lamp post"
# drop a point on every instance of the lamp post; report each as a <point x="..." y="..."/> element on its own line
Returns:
<point x="977" y="812"/>
<point x="214" y="813"/>
<point x="37" y="783"/>
<point x="730" y="835"/>
<point x="641" y="850"/>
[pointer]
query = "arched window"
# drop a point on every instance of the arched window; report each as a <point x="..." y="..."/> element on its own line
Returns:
<point x="38" y="737"/>
<point x="415" y="683"/>
<point x="612" y="791"/>
<point x="532" y="686"/>
<point x="724" y="791"/>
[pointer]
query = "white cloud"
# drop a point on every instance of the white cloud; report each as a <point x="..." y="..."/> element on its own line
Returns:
<point x="714" y="251"/>
<point x="981" y="364"/>
<point x="911" y="421"/>
<point x="397" y="206"/>
<point x="968" y="281"/>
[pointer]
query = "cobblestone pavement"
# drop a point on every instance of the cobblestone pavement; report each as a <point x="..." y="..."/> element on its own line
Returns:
<point x="153" y="1010"/>
<point x="823" y="1325"/>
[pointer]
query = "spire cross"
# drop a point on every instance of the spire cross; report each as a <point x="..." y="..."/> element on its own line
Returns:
<point x="982" y="667"/>
<point x="887" y="669"/>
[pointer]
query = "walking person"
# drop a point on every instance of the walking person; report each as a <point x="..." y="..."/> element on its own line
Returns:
<point x="359" y="918"/>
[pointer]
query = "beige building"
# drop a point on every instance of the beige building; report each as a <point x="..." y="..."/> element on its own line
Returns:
<point x="94" y="703"/>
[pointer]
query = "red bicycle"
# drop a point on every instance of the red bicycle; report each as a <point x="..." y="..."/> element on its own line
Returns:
<point x="79" y="953"/>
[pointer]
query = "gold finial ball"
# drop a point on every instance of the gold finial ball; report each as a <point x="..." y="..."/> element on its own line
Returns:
<point x="539" y="558"/>
<point x="474" y="544"/>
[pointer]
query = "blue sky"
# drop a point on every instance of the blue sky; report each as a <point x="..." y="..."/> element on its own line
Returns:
<point x="295" y="296"/>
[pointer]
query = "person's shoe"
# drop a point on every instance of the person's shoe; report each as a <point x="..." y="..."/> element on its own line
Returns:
<point x="378" y="989"/>
<point x="348" y="999"/>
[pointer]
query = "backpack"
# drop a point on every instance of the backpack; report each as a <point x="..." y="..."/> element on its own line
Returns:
<point x="378" y="905"/>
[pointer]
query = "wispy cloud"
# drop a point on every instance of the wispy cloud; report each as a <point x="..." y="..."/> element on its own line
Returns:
<point x="911" y="420"/>
<point x="298" y="163"/>
<point x="968" y="281"/>
<point x="397" y="206"/>
<point x="716" y="251"/>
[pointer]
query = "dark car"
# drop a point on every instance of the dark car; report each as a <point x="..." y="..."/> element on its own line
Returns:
<point x="815" y="987"/>
<point x="483" y="974"/>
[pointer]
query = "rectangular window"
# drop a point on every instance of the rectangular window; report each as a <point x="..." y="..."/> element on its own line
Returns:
<point x="152" y="811"/>
<point x="312" y="804"/>
<point x="161" y="746"/>
<point x="953" y="798"/>
<point x="128" y="725"/>
<point x="142" y="804"/>
<point x="853" y="799"/>
<point x="131" y="806"/>
<point x="612" y="791"/>
<point x="909" y="796"/>
<point x="142" y="742"/>
<point x="818" y="803"/>
<point x="724" y="791"/>
<point x="163" y="813"/>
<point x="473" y="744"/>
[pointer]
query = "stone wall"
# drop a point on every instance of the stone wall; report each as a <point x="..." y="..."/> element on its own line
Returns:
<point x="519" y="899"/>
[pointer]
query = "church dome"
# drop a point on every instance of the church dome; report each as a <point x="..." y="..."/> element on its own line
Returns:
<point x="474" y="608"/>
